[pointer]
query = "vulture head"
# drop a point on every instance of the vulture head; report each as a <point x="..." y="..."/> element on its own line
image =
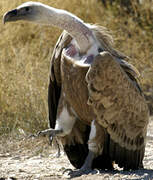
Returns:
<point x="29" y="11"/>
<point x="42" y="14"/>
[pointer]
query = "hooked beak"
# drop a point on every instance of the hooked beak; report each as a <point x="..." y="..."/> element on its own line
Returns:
<point x="10" y="16"/>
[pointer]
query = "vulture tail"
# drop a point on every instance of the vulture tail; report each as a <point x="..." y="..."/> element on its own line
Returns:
<point x="126" y="159"/>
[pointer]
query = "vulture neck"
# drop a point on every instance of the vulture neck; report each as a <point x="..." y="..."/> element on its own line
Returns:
<point x="73" y="25"/>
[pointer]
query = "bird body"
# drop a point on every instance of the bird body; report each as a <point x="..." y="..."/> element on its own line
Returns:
<point x="105" y="91"/>
<point x="93" y="96"/>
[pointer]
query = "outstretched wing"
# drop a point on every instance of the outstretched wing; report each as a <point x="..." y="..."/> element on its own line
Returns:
<point x="120" y="107"/>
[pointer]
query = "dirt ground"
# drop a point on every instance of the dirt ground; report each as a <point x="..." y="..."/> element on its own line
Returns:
<point x="34" y="159"/>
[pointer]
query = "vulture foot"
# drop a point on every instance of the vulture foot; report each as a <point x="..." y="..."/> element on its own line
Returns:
<point x="77" y="172"/>
<point x="85" y="169"/>
<point x="80" y="172"/>
<point x="51" y="132"/>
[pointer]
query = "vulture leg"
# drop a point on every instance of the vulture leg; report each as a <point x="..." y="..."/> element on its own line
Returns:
<point x="92" y="149"/>
<point x="95" y="146"/>
<point x="87" y="166"/>
<point x="65" y="121"/>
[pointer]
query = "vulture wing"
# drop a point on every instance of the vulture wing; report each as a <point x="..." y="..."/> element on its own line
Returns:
<point x="54" y="91"/>
<point x="54" y="88"/>
<point x="120" y="107"/>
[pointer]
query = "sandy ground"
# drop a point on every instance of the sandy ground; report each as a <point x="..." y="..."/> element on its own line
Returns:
<point x="34" y="159"/>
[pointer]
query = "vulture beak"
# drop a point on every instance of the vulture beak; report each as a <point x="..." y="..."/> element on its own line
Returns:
<point x="10" y="16"/>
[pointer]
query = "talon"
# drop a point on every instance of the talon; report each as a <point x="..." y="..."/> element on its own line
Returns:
<point x="50" y="139"/>
<point x="32" y="136"/>
<point x="68" y="170"/>
<point x="38" y="133"/>
<point x="46" y="132"/>
<point x="79" y="172"/>
<point x="59" y="150"/>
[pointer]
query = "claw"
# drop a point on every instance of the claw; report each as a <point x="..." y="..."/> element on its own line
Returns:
<point x="58" y="148"/>
<point x="86" y="168"/>
<point x="51" y="139"/>
<point x="69" y="171"/>
<point x="32" y="136"/>
<point x="45" y="132"/>
<point x="77" y="172"/>
<point x="50" y="132"/>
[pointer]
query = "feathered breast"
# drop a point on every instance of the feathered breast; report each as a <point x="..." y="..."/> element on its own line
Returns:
<point x="75" y="88"/>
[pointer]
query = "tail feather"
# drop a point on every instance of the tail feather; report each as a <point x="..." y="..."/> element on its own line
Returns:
<point x="127" y="159"/>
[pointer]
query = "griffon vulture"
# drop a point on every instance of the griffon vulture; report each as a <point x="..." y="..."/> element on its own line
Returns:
<point x="96" y="106"/>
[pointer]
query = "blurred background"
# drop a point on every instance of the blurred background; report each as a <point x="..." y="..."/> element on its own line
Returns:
<point x="25" y="52"/>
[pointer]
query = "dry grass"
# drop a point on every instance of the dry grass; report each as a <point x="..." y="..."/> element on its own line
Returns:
<point x="25" y="51"/>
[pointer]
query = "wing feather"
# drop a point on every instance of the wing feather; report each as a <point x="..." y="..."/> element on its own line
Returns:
<point x="54" y="88"/>
<point x="119" y="106"/>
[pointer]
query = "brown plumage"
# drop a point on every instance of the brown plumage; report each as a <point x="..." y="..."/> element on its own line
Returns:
<point x="93" y="95"/>
<point x="107" y="91"/>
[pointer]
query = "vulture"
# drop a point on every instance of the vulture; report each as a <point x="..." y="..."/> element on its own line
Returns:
<point x="97" y="109"/>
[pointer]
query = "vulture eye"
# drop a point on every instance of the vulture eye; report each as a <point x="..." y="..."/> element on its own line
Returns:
<point x="100" y="50"/>
<point x="27" y="9"/>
